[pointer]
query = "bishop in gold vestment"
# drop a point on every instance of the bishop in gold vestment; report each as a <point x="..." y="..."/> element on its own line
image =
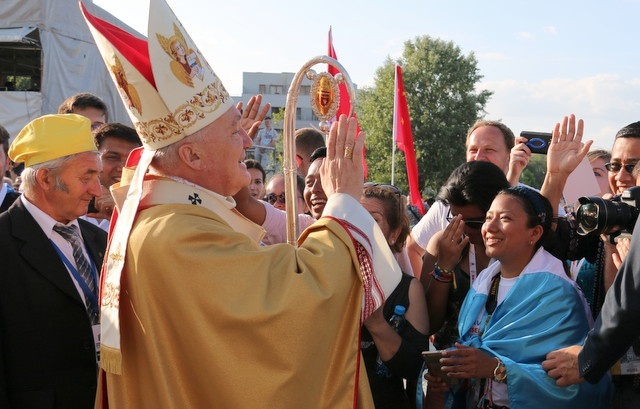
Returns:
<point x="211" y="319"/>
<point x="195" y="313"/>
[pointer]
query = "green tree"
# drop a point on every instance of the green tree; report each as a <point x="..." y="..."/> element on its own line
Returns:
<point x="533" y="174"/>
<point x="443" y="103"/>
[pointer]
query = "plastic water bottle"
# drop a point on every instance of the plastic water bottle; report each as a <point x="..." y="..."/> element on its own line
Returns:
<point x="396" y="321"/>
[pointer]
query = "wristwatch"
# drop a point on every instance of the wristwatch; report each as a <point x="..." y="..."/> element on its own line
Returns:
<point x="500" y="373"/>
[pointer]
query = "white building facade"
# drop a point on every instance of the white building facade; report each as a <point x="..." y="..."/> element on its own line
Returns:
<point x="274" y="88"/>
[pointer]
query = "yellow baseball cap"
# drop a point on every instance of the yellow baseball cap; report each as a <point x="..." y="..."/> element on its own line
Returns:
<point x="51" y="137"/>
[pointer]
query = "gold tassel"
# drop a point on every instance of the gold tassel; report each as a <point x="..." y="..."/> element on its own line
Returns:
<point x="111" y="360"/>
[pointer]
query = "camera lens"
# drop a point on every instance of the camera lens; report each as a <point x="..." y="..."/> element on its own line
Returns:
<point x="588" y="218"/>
<point x="599" y="216"/>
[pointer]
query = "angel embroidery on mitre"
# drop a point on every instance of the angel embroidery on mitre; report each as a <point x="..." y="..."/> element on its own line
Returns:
<point x="127" y="91"/>
<point x="185" y="62"/>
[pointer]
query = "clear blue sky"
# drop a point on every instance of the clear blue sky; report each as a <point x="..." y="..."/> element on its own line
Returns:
<point x="542" y="59"/>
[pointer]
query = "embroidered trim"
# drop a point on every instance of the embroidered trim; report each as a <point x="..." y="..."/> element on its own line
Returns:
<point x="370" y="284"/>
<point x="185" y="116"/>
<point x="110" y="295"/>
<point x="366" y="271"/>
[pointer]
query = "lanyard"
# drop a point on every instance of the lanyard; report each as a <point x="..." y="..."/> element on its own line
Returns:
<point x="88" y="294"/>
<point x="492" y="299"/>
<point x="473" y="268"/>
<point x="491" y="304"/>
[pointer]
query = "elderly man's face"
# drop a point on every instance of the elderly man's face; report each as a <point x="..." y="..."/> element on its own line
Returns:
<point x="223" y="147"/>
<point x="77" y="183"/>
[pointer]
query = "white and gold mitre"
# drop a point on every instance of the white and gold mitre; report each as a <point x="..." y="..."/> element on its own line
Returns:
<point x="170" y="92"/>
<point x="164" y="81"/>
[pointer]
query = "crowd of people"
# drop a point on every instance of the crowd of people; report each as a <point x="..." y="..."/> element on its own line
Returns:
<point x="148" y="268"/>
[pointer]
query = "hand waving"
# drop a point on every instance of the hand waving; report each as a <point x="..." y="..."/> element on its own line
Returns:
<point x="342" y="171"/>
<point x="252" y="115"/>
<point x="566" y="150"/>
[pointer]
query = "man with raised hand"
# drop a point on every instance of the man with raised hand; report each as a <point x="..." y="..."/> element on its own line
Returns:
<point x="194" y="310"/>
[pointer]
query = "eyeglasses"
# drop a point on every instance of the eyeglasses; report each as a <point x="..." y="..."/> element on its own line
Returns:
<point x="474" y="223"/>
<point x="272" y="198"/>
<point x="616" y="167"/>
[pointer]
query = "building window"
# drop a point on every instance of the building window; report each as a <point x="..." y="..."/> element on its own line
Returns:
<point x="262" y="89"/>
<point x="275" y="89"/>
<point x="20" y="59"/>
<point x="305" y="89"/>
<point x="298" y="114"/>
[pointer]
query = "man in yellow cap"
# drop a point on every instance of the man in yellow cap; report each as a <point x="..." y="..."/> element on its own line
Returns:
<point x="195" y="313"/>
<point x="49" y="329"/>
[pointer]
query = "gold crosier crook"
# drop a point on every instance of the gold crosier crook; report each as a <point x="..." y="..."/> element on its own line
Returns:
<point x="325" y="100"/>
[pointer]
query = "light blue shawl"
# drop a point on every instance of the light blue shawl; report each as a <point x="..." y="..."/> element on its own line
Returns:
<point x="543" y="311"/>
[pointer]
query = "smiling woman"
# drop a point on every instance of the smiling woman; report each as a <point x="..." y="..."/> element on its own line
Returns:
<point x="456" y="254"/>
<point x="517" y="308"/>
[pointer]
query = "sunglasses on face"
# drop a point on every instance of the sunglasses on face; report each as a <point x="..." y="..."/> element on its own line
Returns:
<point x="616" y="167"/>
<point x="474" y="223"/>
<point x="392" y="188"/>
<point x="273" y="198"/>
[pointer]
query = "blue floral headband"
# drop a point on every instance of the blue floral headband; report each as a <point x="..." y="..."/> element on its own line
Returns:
<point x="533" y="197"/>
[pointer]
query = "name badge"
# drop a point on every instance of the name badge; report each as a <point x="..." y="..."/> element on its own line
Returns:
<point x="96" y="339"/>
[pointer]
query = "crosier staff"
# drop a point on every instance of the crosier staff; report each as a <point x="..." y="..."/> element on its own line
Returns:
<point x="325" y="100"/>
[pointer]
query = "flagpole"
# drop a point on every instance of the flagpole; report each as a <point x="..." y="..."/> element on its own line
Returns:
<point x="393" y="138"/>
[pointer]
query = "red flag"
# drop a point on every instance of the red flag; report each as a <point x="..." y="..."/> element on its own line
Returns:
<point x="345" y="102"/>
<point x="404" y="138"/>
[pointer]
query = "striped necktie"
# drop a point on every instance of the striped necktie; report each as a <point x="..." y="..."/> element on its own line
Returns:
<point x="72" y="235"/>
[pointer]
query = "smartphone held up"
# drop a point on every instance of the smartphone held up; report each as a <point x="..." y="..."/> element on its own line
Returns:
<point x="538" y="142"/>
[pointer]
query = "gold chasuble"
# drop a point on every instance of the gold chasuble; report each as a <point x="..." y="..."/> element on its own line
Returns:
<point x="195" y="313"/>
<point x="211" y="319"/>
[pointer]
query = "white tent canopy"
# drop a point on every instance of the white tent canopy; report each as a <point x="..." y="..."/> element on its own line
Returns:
<point x="69" y="61"/>
<point x="16" y="35"/>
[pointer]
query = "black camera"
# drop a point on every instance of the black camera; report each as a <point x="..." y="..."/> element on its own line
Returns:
<point x="615" y="217"/>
